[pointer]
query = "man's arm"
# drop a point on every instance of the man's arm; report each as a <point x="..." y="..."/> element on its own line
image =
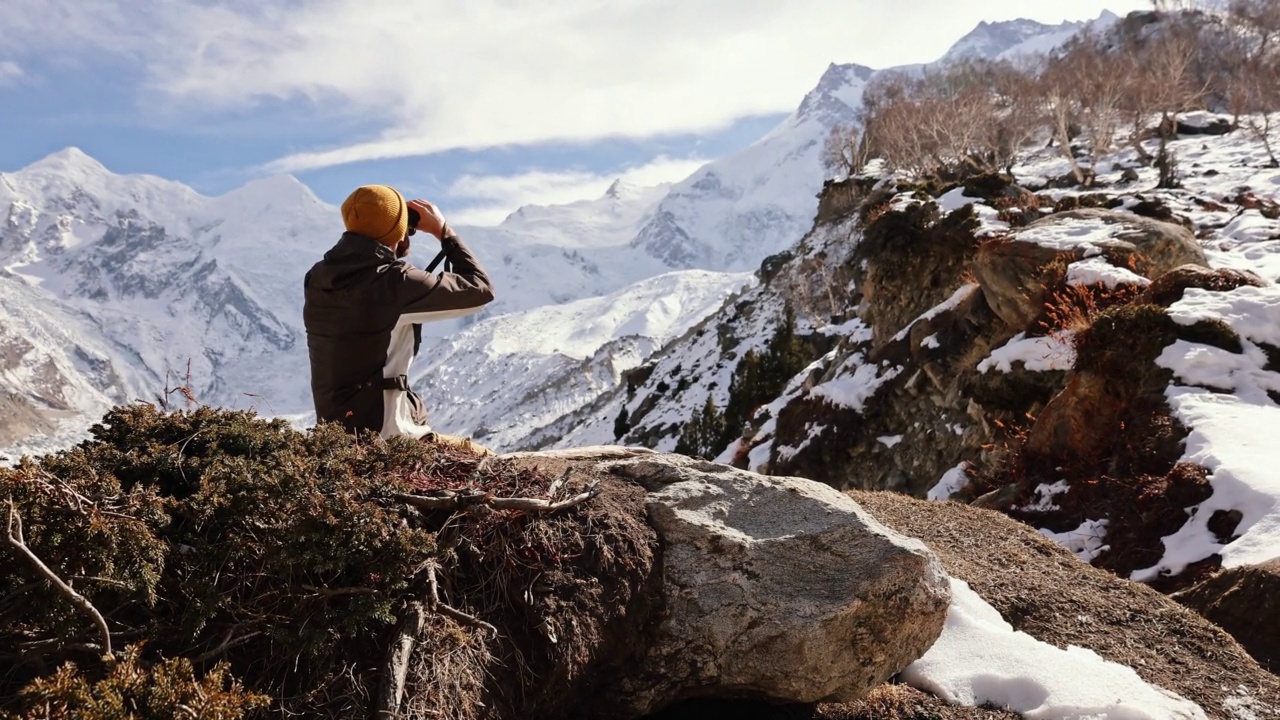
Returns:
<point x="462" y="291"/>
<point x="426" y="298"/>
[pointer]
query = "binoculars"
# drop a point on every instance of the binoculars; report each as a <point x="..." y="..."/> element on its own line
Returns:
<point x="414" y="218"/>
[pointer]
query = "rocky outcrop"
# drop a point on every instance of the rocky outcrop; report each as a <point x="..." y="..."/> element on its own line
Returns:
<point x="777" y="588"/>
<point x="1244" y="601"/>
<point x="1019" y="275"/>
<point x="773" y="589"/>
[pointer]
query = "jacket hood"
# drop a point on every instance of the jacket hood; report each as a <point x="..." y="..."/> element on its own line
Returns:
<point x="345" y="261"/>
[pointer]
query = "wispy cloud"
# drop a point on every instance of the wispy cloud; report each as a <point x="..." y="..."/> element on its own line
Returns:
<point x="448" y="74"/>
<point x="488" y="199"/>
<point x="11" y="73"/>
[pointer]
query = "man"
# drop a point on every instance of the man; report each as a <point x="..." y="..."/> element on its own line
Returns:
<point x="363" y="307"/>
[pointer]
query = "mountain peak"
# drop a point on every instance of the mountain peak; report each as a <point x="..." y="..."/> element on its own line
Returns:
<point x="67" y="161"/>
<point x="838" y="93"/>
<point x="620" y="189"/>
<point x="271" y="195"/>
<point x="993" y="40"/>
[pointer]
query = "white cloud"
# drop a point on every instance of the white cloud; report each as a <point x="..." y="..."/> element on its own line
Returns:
<point x="445" y="74"/>
<point x="10" y="73"/>
<point x="490" y="198"/>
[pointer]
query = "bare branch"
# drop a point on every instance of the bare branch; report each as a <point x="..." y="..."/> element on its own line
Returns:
<point x="396" y="668"/>
<point x="339" y="591"/>
<point x="228" y="641"/>
<point x="19" y="544"/>
<point x="435" y="604"/>
<point x="459" y="501"/>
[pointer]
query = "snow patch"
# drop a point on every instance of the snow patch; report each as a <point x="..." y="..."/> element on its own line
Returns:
<point x="1037" y="354"/>
<point x="1085" y="541"/>
<point x="1089" y="235"/>
<point x="981" y="659"/>
<point x="1235" y="440"/>
<point x="1098" y="271"/>
<point x="1045" y="493"/>
<point x="1254" y="312"/>
<point x="952" y="481"/>
<point x="852" y="391"/>
<point x="960" y="295"/>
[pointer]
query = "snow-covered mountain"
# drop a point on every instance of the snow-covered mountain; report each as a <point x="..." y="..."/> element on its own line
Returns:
<point x="507" y="380"/>
<point x="116" y="287"/>
<point x="735" y="211"/>
<point x="1015" y="38"/>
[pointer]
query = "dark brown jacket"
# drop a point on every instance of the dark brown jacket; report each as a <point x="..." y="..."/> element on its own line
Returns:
<point x="360" y="309"/>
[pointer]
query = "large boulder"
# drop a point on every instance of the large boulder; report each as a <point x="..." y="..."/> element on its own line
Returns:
<point x="1155" y="246"/>
<point x="773" y="588"/>
<point x="1017" y="275"/>
<point x="1244" y="601"/>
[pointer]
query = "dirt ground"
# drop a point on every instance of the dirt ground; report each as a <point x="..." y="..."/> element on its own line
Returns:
<point x="1043" y="590"/>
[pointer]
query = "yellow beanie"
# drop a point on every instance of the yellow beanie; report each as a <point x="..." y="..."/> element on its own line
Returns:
<point x="377" y="212"/>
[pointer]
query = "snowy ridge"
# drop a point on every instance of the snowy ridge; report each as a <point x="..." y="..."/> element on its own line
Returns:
<point x="530" y="378"/>
<point x="754" y="203"/>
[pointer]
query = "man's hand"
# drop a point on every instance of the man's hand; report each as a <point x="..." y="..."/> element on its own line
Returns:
<point x="430" y="219"/>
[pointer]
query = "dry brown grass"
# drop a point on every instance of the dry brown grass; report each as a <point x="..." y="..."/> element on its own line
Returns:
<point x="900" y="702"/>
<point x="1043" y="590"/>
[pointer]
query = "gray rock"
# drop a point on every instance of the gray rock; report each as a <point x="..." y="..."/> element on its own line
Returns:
<point x="1014" y="275"/>
<point x="1158" y="246"/>
<point x="775" y="588"/>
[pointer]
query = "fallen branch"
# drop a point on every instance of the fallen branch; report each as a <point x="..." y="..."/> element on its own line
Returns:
<point x="451" y="500"/>
<point x="19" y="544"/>
<point x="537" y="505"/>
<point x="396" y="668"/>
<point x="446" y="500"/>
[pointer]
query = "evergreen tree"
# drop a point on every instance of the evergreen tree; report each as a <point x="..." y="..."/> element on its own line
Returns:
<point x="701" y="435"/>
<point x="761" y="377"/>
<point x="621" y="424"/>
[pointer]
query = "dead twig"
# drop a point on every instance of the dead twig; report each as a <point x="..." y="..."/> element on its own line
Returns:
<point x="433" y="589"/>
<point x="451" y="500"/>
<point x="228" y="641"/>
<point x="19" y="544"/>
<point x="339" y="591"/>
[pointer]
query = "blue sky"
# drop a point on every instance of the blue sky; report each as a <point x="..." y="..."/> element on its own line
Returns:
<point x="481" y="105"/>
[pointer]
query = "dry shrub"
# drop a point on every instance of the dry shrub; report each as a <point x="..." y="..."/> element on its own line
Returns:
<point x="132" y="688"/>
<point x="214" y="536"/>
<point x="902" y="702"/>
<point x="1074" y="307"/>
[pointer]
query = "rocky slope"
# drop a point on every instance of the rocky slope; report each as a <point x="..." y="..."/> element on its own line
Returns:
<point x="983" y="338"/>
